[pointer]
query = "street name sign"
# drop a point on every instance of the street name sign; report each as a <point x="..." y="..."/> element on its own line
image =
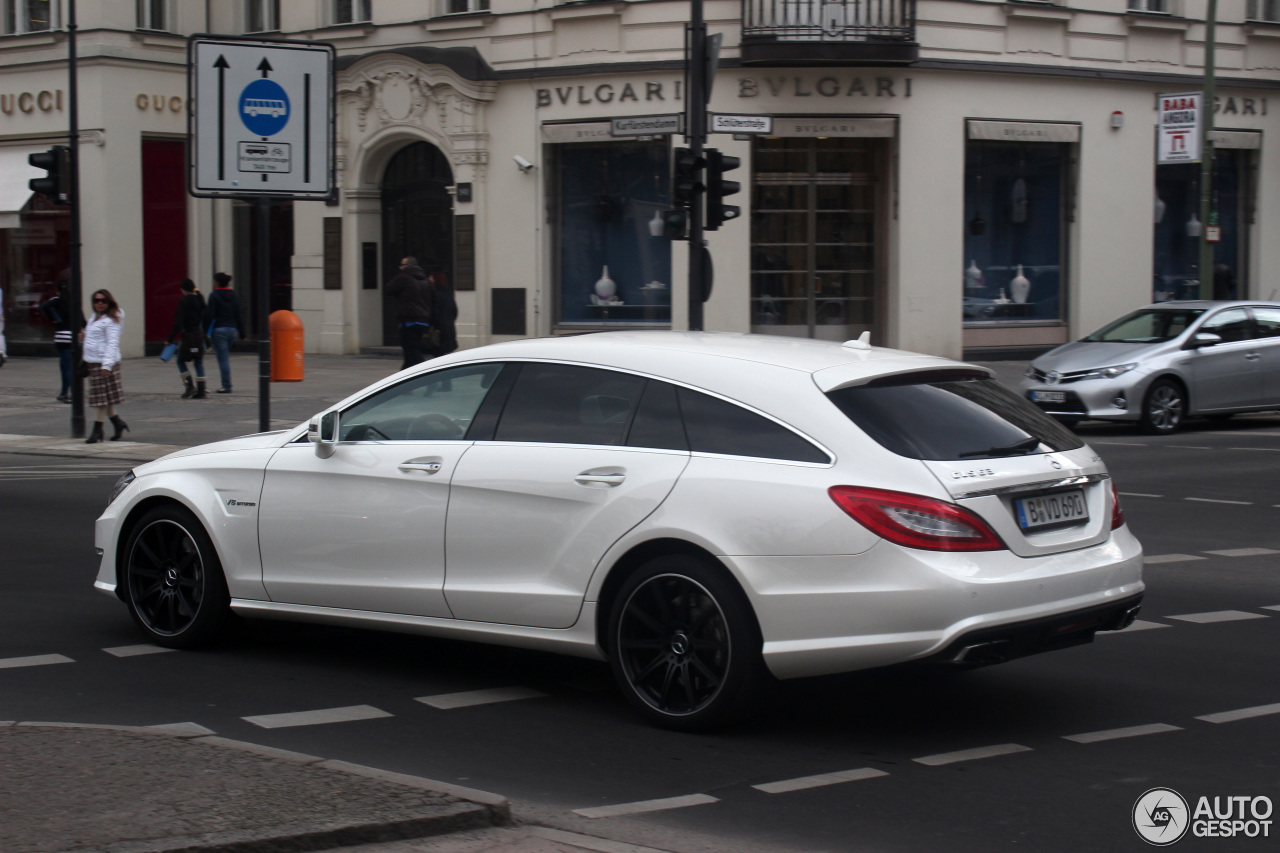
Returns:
<point x="647" y="125"/>
<point x="741" y="124"/>
<point x="261" y="118"/>
<point x="1178" y="139"/>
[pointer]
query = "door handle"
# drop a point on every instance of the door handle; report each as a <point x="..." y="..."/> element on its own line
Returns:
<point x="1253" y="356"/>
<point x="600" y="478"/>
<point x="427" y="465"/>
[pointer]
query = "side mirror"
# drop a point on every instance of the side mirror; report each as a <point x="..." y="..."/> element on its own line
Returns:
<point x="1205" y="339"/>
<point x="323" y="433"/>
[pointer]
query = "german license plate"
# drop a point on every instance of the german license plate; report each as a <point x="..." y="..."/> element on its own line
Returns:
<point x="1049" y="396"/>
<point x="1056" y="508"/>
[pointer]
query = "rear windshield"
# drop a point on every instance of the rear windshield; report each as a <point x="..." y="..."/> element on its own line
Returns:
<point x="950" y="419"/>
<point x="1148" y="326"/>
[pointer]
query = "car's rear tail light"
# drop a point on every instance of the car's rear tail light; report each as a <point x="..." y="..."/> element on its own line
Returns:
<point x="916" y="521"/>
<point x="1117" y="514"/>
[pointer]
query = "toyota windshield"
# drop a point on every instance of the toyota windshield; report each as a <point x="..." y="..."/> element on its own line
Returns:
<point x="1147" y="326"/>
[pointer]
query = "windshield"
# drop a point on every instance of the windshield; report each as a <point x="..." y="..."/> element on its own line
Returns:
<point x="1148" y="326"/>
<point x="948" y="419"/>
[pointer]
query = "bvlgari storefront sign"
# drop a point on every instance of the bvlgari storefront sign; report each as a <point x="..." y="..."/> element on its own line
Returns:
<point x="845" y="87"/>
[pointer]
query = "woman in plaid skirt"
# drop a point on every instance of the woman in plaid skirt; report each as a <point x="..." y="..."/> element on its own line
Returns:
<point x="101" y="337"/>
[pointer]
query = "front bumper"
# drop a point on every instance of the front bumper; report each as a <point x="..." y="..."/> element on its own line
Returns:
<point x="1091" y="398"/>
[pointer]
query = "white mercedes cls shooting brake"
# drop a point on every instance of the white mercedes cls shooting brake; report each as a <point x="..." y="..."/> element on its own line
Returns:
<point x="704" y="511"/>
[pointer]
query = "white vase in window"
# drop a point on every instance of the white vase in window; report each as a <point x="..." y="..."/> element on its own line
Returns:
<point x="1019" y="287"/>
<point x="1193" y="226"/>
<point x="1001" y="299"/>
<point x="973" y="277"/>
<point x="606" y="287"/>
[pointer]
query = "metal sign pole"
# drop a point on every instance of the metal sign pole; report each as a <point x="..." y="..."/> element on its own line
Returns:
<point x="75" y="284"/>
<point x="264" y="313"/>
<point x="696" y="106"/>
<point x="1206" y="153"/>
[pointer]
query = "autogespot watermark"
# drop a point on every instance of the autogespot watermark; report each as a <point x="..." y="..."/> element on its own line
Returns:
<point x="1162" y="816"/>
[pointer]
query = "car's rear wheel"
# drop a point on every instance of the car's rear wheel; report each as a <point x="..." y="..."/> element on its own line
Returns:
<point x="1164" y="408"/>
<point x="174" y="584"/>
<point x="684" y="644"/>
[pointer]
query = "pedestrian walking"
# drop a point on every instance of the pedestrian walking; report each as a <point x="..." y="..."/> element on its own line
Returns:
<point x="67" y="320"/>
<point x="188" y="328"/>
<point x="411" y="294"/>
<point x="101" y="338"/>
<point x="444" y="314"/>
<point x="223" y="314"/>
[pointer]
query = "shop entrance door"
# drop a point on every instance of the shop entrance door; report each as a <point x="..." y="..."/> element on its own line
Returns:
<point x="816" y="259"/>
<point x="417" y="219"/>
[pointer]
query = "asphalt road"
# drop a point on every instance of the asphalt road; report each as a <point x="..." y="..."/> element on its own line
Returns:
<point x="1063" y="762"/>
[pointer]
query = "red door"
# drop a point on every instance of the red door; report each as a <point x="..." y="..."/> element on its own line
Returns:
<point x="164" y="232"/>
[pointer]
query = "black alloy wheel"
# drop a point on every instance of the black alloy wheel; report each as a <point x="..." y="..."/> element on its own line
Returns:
<point x="1164" y="408"/>
<point x="685" y="648"/>
<point x="173" y="580"/>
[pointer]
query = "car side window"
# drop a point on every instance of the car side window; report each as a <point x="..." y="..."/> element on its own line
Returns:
<point x="657" y="422"/>
<point x="566" y="404"/>
<point x="717" y="426"/>
<point x="1268" y="321"/>
<point x="435" y="406"/>
<point x="1230" y="325"/>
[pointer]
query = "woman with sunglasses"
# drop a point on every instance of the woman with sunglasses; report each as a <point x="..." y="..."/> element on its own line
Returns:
<point x="101" y="337"/>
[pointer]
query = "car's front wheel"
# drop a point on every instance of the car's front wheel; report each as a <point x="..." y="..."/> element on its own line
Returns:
<point x="1164" y="407"/>
<point x="684" y="644"/>
<point x="173" y="579"/>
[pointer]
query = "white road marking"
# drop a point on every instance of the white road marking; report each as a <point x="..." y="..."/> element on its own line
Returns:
<point x="1120" y="443"/>
<point x="1188" y="447"/>
<point x="971" y="754"/>
<point x="821" y="780"/>
<point x="1254" y="448"/>
<point x="448" y="701"/>
<point x="33" y="660"/>
<point x="1216" y="501"/>
<point x="1218" y="616"/>
<point x="1138" y="625"/>
<point x="1138" y="495"/>
<point x="314" y="718"/>
<point x="1272" y="607"/>
<point x="1241" y="714"/>
<point x="134" y="651"/>
<point x="1117" y="734"/>
<point x="1243" y="552"/>
<point x="647" y="806"/>
<point x="1169" y="558"/>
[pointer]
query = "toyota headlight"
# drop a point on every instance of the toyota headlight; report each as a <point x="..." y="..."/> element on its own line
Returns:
<point x="1116" y="370"/>
<point x="120" y="486"/>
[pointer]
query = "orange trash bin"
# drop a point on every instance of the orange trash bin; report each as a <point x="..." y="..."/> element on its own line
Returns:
<point x="286" y="346"/>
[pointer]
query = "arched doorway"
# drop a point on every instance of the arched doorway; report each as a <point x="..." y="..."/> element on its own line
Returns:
<point x="417" y="218"/>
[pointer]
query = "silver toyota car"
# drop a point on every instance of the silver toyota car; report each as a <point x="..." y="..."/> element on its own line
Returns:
<point x="1165" y="362"/>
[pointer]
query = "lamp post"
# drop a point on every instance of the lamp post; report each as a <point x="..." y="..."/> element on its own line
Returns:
<point x="1206" y="153"/>
<point x="73" y="235"/>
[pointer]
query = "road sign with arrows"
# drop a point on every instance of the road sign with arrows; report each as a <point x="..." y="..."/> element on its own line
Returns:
<point x="261" y="118"/>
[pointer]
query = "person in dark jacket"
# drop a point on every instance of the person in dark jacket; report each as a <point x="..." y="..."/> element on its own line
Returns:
<point x="223" y="314"/>
<point x="66" y="322"/>
<point x="444" y="310"/>
<point x="411" y="294"/>
<point x="188" y="328"/>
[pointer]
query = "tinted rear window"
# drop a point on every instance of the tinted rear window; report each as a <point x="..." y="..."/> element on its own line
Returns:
<point x="715" y="426"/>
<point x="950" y="420"/>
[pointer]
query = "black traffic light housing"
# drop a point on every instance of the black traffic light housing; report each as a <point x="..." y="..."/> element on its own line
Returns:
<point x="717" y="188"/>
<point x="56" y="184"/>
<point x="675" y="223"/>
<point x="687" y="180"/>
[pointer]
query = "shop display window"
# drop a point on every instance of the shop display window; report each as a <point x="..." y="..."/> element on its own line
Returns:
<point x="36" y="255"/>
<point x="609" y="198"/>
<point x="1014" y="231"/>
<point x="1178" y="229"/>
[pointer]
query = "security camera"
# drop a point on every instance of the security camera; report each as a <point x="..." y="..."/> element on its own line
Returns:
<point x="522" y="164"/>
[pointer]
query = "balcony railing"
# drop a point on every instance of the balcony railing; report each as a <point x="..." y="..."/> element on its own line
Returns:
<point x="810" y="32"/>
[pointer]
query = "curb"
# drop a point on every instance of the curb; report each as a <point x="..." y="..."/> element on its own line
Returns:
<point x="124" y="451"/>
<point x="475" y="809"/>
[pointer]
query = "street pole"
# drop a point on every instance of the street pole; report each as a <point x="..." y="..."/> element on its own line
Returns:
<point x="264" y="313"/>
<point x="1206" y="153"/>
<point x="73" y="233"/>
<point x="696" y="119"/>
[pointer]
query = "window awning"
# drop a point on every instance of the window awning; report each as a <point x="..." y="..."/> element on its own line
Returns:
<point x="1249" y="139"/>
<point x="1024" y="131"/>
<point x="15" y="171"/>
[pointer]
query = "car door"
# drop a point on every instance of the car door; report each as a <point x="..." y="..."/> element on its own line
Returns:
<point x="1267" y="319"/>
<point x="1226" y="375"/>
<point x="364" y="528"/>
<point x="532" y="511"/>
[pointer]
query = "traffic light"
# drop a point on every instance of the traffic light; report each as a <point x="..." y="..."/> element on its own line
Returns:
<point x="56" y="185"/>
<point x="688" y="177"/>
<point x="717" y="188"/>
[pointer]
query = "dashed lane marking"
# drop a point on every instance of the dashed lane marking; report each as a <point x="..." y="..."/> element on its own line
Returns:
<point x="1117" y="734"/>
<point x="1170" y="558"/>
<point x="1138" y="495"/>
<point x="804" y="782"/>
<point x="1242" y="552"/>
<point x="647" y="806"/>
<point x="1120" y="443"/>
<point x="1218" y="616"/>
<point x="1139" y="625"/>
<point x="315" y="718"/>
<point x="1241" y="714"/>
<point x="1272" y="607"/>
<point x="1188" y="447"/>
<point x="449" y="701"/>
<point x="33" y="660"/>
<point x="971" y="754"/>
<point x="1218" y="501"/>
<point x="134" y="651"/>
<point x="1273" y="449"/>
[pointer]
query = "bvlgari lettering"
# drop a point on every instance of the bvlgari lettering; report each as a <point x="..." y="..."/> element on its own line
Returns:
<point x="827" y="87"/>
<point x="608" y="93"/>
